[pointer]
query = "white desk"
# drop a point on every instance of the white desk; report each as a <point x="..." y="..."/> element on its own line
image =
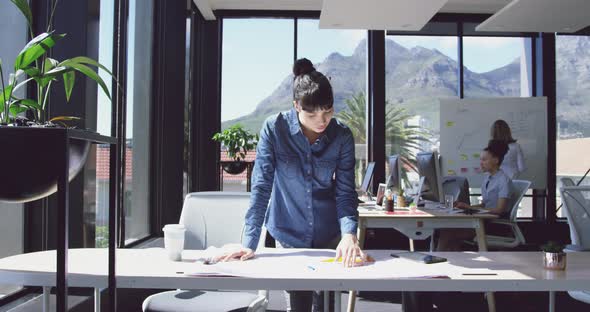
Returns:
<point x="149" y="268"/>
<point x="420" y="224"/>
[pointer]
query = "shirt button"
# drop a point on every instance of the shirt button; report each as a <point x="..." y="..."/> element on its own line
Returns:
<point x="310" y="223"/>
<point x="309" y="207"/>
<point x="308" y="191"/>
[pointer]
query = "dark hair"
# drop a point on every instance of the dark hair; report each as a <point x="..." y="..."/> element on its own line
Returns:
<point x="498" y="149"/>
<point x="311" y="89"/>
<point x="501" y="131"/>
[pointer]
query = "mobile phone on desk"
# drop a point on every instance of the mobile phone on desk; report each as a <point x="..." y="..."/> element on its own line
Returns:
<point x="419" y="257"/>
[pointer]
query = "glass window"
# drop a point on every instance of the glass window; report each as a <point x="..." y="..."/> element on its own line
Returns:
<point x="341" y="55"/>
<point x="257" y="55"/>
<point x="137" y="151"/>
<point x="96" y="171"/>
<point x="418" y="71"/>
<point x="13" y="31"/>
<point x="496" y="66"/>
<point x="573" y="109"/>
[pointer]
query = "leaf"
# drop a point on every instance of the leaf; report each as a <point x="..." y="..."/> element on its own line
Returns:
<point x="4" y="94"/>
<point x="52" y="74"/>
<point x="17" y="109"/>
<point x="87" y="60"/>
<point x="90" y="73"/>
<point x="28" y="103"/>
<point x="69" y="80"/>
<point x="64" y="118"/>
<point x="50" y="64"/>
<point x="23" y="6"/>
<point x="35" y="48"/>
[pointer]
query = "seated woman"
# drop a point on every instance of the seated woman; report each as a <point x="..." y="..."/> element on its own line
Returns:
<point x="495" y="190"/>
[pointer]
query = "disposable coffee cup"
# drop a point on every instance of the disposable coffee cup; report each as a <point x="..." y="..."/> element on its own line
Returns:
<point x="174" y="240"/>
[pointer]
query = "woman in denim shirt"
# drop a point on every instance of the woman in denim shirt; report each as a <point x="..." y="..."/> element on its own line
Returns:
<point x="303" y="186"/>
<point x="496" y="190"/>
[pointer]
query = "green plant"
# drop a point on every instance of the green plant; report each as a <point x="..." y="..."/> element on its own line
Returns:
<point x="552" y="247"/>
<point x="34" y="64"/>
<point x="237" y="140"/>
<point x="403" y="139"/>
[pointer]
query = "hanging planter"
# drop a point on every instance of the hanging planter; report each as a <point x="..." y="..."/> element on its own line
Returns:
<point x="234" y="167"/>
<point x="30" y="162"/>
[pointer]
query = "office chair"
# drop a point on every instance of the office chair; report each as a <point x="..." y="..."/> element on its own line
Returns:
<point x="577" y="211"/>
<point x="519" y="189"/>
<point x="210" y="219"/>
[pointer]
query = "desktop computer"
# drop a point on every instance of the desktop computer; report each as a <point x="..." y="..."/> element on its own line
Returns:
<point x="367" y="181"/>
<point x="430" y="191"/>
<point x="394" y="180"/>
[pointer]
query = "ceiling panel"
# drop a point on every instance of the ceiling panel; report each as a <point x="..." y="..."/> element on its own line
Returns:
<point x="378" y="14"/>
<point x="540" y="16"/>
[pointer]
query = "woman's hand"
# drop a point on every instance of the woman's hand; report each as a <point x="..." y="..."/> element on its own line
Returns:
<point x="461" y="205"/>
<point x="349" y="249"/>
<point x="240" y="253"/>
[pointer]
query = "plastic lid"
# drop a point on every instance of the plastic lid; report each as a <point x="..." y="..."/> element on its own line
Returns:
<point x="173" y="227"/>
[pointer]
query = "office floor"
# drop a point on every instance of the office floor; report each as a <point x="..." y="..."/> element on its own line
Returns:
<point x="131" y="300"/>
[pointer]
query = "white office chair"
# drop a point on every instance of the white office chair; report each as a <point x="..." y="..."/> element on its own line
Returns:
<point x="210" y="219"/>
<point x="494" y="241"/>
<point x="576" y="204"/>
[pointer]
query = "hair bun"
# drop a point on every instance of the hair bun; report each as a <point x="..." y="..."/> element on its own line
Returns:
<point x="302" y="66"/>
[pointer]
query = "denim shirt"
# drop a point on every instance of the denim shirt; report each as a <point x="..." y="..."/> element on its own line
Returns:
<point x="310" y="186"/>
<point x="495" y="187"/>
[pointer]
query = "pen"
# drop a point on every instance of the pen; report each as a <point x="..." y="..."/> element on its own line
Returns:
<point x="394" y="255"/>
<point x="311" y="268"/>
<point x="479" y="274"/>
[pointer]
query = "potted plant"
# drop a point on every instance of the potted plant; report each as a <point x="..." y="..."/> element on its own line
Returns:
<point x="36" y="178"/>
<point x="553" y="256"/>
<point x="401" y="200"/>
<point x="237" y="142"/>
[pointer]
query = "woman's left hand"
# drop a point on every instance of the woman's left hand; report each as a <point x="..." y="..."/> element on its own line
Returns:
<point x="349" y="250"/>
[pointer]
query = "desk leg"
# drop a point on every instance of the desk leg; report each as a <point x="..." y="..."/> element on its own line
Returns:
<point x="551" y="301"/>
<point x="361" y="237"/>
<point x="96" y="299"/>
<point x="46" y="298"/>
<point x="326" y="301"/>
<point x="337" y="301"/>
<point x="480" y="233"/>
<point x="411" y="244"/>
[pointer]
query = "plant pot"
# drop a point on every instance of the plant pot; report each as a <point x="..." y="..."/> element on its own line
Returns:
<point x="29" y="162"/>
<point x="234" y="167"/>
<point x="554" y="260"/>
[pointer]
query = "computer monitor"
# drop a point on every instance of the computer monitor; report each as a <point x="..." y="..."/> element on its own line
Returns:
<point x="430" y="177"/>
<point x="367" y="178"/>
<point x="394" y="180"/>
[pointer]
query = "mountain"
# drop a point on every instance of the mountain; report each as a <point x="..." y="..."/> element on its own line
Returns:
<point x="416" y="77"/>
<point x="573" y="84"/>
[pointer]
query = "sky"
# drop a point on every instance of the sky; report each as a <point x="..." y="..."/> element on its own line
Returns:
<point x="258" y="55"/>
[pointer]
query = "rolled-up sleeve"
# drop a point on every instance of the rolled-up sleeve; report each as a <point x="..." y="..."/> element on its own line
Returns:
<point x="346" y="196"/>
<point x="262" y="182"/>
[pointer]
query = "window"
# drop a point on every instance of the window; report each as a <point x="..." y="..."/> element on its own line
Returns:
<point x="96" y="171"/>
<point x="573" y="109"/>
<point x="341" y="55"/>
<point x="418" y="71"/>
<point x="496" y="66"/>
<point x="139" y="77"/>
<point x="13" y="31"/>
<point x="257" y="55"/>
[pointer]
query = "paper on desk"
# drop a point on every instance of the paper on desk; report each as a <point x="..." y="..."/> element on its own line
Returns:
<point x="309" y="264"/>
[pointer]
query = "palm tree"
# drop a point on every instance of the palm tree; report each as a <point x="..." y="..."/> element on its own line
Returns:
<point x="402" y="139"/>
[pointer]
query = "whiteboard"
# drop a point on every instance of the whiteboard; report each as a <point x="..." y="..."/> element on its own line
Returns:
<point x="465" y="130"/>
